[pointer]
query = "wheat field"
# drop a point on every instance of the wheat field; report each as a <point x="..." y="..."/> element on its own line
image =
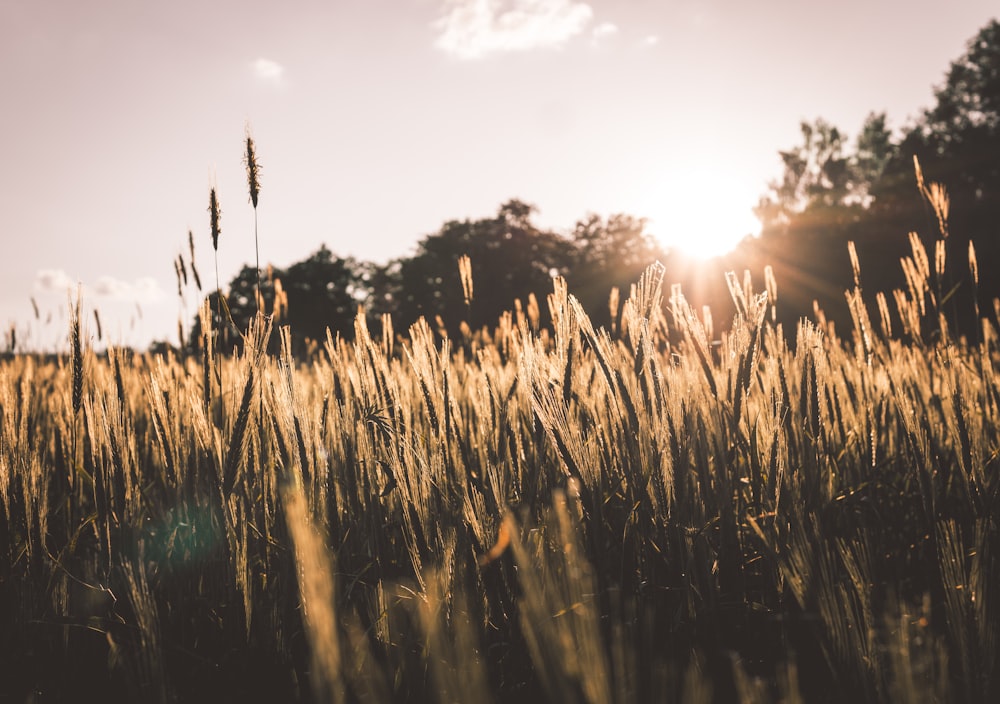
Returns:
<point x="658" y="512"/>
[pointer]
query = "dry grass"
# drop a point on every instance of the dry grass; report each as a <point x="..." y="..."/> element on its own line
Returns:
<point x="644" y="514"/>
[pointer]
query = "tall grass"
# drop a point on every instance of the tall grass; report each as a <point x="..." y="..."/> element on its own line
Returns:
<point x="651" y="513"/>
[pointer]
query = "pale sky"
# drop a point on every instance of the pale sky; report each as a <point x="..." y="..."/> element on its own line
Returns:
<point x="376" y="121"/>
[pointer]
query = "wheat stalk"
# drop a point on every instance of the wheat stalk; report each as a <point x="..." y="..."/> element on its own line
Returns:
<point x="253" y="183"/>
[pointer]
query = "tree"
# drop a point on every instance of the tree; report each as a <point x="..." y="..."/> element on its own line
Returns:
<point x="241" y="304"/>
<point x="957" y="142"/>
<point x="322" y="291"/>
<point x="822" y="182"/>
<point x="610" y="253"/>
<point x="821" y="203"/>
<point x="969" y="102"/>
<point x="829" y="195"/>
<point x="511" y="258"/>
<point x="874" y="150"/>
<point x="815" y="172"/>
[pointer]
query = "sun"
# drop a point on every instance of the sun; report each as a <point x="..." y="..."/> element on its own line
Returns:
<point x="701" y="214"/>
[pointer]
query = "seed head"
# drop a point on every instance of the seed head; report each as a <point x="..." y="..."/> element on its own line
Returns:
<point x="465" y="273"/>
<point x="194" y="269"/>
<point x="214" y="215"/>
<point x="253" y="170"/>
<point x="973" y="263"/>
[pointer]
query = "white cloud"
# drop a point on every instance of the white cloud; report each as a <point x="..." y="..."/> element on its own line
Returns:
<point x="148" y="289"/>
<point x="144" y="290"/>
<point x="604" y="29"/>
<point x="471" y="29"/>
<point x="111" y="287"/>
<point x="650" y="40"/>
<point x="53" y="281"/>
<point x="267" y="70"/>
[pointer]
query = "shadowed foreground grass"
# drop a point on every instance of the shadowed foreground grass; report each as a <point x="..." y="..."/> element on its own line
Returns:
<point x="564" y="515"/>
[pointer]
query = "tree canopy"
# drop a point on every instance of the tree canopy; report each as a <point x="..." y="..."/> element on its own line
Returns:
<point x="511" y="259"/>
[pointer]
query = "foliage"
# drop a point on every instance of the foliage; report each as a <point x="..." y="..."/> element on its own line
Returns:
<point x="323" y="291"/>
<point x="956" y="141"/>
<point x="318" y="293"/>
<point x="511" y="259"/>
<point x="610" y="253"/>
<point x="823" y="185"/>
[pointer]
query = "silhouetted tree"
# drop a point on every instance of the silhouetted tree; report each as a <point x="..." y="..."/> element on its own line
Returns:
<point x="511" y="258"/>
<point x="874" y="150"/>
<point x="324" y="291"/>
<point x="610" y="253"/>
<point x="958" y="144"/>
<point x="241" y="304"/>
<point x="810" y="214"/>
<point x="829" y="195"/>
<point x="824" y="184"/>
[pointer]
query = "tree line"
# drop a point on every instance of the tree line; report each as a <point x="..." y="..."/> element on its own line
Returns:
<point x="512" y="262"/>
<point x="833" y="190"/>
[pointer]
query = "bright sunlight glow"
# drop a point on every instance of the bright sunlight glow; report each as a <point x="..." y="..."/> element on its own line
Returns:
<point x="703" y="215"/>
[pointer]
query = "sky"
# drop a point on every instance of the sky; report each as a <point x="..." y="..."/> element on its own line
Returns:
<point x="377" y="121"/>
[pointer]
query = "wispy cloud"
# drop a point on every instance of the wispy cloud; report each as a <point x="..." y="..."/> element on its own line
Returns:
<point x="471" y="29"/>
<point x="144" y="290"/>
<point x="650" y="40"/>
<point x="267" y="70"/>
